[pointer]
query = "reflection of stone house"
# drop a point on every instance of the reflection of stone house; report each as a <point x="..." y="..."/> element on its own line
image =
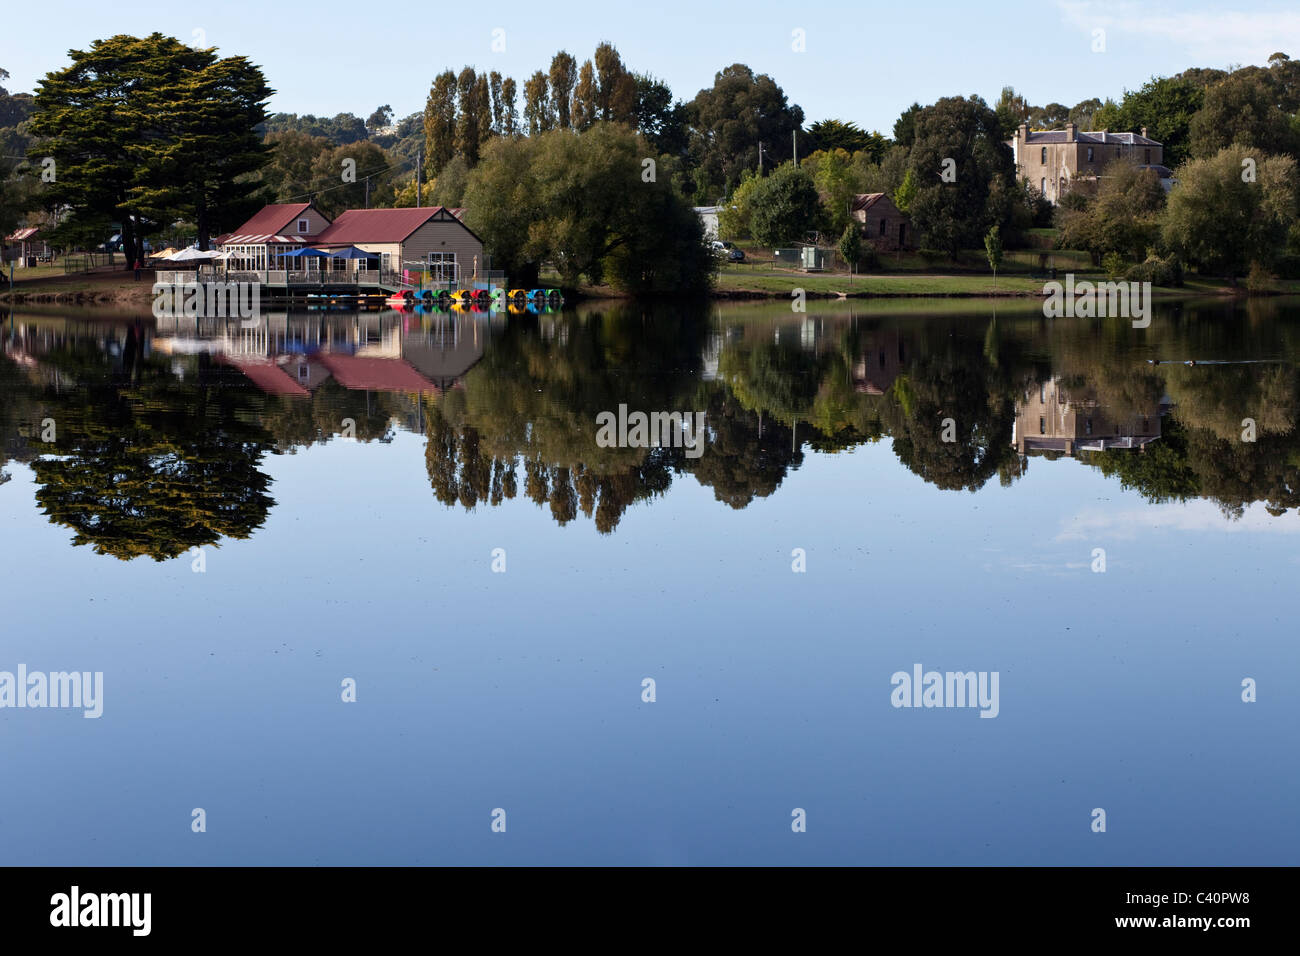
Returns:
<point x="883" y="225"/>
<point x="1054" y="418"/>
<point x="1058" y="160"/>
<point x="879" y="362"/>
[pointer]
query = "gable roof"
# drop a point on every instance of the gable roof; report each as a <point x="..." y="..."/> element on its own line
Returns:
<point x="266" y="375"/>
<point x="277" y="217"/>
<point x="22" y="234"/>
<point x="384" y="225"/>
<point x="864" y="201"/>
<point x="374" y="374"/>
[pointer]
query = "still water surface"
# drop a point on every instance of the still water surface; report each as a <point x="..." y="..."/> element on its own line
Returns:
<point x="229" y="522"/>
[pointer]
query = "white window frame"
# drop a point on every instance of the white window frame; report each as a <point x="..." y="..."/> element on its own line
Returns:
<point x="438" y="267"/>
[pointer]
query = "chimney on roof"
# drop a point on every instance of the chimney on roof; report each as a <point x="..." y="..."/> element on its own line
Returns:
<point x="1024" y="132"/>
<point x="1144" y="132"/>
<point x="1071" y="132"/>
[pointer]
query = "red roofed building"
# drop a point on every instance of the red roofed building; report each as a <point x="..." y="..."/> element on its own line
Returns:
<point x="414" y="238"/>
<point x="430" y="243"/>
<point x="277" y="228"/>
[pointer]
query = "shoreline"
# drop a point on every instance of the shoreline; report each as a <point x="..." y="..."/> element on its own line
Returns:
<point x="130" y="293"/>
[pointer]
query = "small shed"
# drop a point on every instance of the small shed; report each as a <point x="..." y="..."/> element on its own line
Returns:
<point x="883" y="225"/>
<point x="813" y="259"/>
<point x="25" y="246"/>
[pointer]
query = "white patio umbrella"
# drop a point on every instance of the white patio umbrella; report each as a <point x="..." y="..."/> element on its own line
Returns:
<point x="195" y="255"/>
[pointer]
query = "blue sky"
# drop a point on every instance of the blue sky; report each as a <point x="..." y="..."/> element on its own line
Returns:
<point x="861" y="63"/>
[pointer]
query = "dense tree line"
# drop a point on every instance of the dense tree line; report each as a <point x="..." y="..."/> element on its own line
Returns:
<point x="732" y="143"/>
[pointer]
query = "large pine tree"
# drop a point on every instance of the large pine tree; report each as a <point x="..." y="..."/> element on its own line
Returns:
<point x="144" y="130"/>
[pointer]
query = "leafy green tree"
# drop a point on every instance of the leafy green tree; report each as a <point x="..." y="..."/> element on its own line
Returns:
<point x="509" y="108"/>
<point x="147" y="129"/>
<point x="1165" y="106"/>
<point x="1242" y="110"/>
<point x="730" y="119"/>
<point x="837" y="183"/>
<point x="292" y="170"/>
<point x="850" y="245"/>
<point x="734" y="216"/>
<point x="537" y="111"/>
<point x="381" y="117"/>
<point x="906" y="192"/>
<point x="882" y="177"/>
<point x="18" y="184"/>
<point x="449" y="187"/>
<point x="833" y="134"/>
<point x="1051" y="116"/>
<point x="785" y="207"/>
<point x="581" y="203"/>
<point x="148" y="465"/>
<point x="1083" y="114"/>
<point x="1012" y="109"/>
<point x="474" y="114"/>
<point x="993" y="249"/>
<point x="586" y="108"/>
<point x="1123" y="218"/>
<point x="1220" y="222"/>
<point x="340" y="129"/>
<point x="905" y="126"/>
<point x="616" y="98"/>
<point x="961" y="137"/>
<point x="368" y="161"/>
<point x="208" y="121"/>
<point x="440" y="122"/>
<point x="495" y="88"/>
<point x="662" y="120"/>
<point x="562" y="76"/>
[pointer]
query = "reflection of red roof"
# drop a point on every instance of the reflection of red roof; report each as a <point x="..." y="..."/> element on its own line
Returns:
<point x="267" y="376"/>
<point x="375" y="374"/>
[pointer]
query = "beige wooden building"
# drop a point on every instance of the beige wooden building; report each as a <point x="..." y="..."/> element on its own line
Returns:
<point x="411" y="239"/>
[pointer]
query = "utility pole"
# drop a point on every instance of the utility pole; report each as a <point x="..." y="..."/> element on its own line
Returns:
<point x="760" y="157"/>
<point x="367" y="192"/>
<point x="794" y="144"/>
<point x="419" y="183"/>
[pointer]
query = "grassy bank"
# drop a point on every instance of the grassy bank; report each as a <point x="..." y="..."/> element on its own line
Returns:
<point x="738" y="283"/>
<point x="119" y="286"/>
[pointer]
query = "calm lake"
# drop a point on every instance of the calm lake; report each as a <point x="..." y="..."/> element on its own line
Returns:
<point x="702" y="651"/>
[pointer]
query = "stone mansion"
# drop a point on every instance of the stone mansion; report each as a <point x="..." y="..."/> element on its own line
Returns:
<point x="1058" y="160"/>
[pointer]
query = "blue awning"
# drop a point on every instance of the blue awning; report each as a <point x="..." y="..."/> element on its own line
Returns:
<point x="352" y="252"/>
<point x="305" y="254"/>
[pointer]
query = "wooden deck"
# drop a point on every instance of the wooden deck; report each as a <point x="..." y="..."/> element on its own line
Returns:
<point x="292" y="283"/>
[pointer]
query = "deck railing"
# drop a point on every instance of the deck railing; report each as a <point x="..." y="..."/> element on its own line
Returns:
<point x="280" y="277"/>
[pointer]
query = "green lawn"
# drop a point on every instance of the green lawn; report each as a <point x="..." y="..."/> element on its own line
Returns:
<point x="734" y="280"/>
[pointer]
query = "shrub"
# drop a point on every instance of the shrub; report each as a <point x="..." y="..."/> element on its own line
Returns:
<point x="1259" y="279"/>
<point x="1163" y="272"/>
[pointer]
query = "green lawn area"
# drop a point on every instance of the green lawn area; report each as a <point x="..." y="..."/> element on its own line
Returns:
<point x="973" y="261"/>
<point x="738" y="279"/>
